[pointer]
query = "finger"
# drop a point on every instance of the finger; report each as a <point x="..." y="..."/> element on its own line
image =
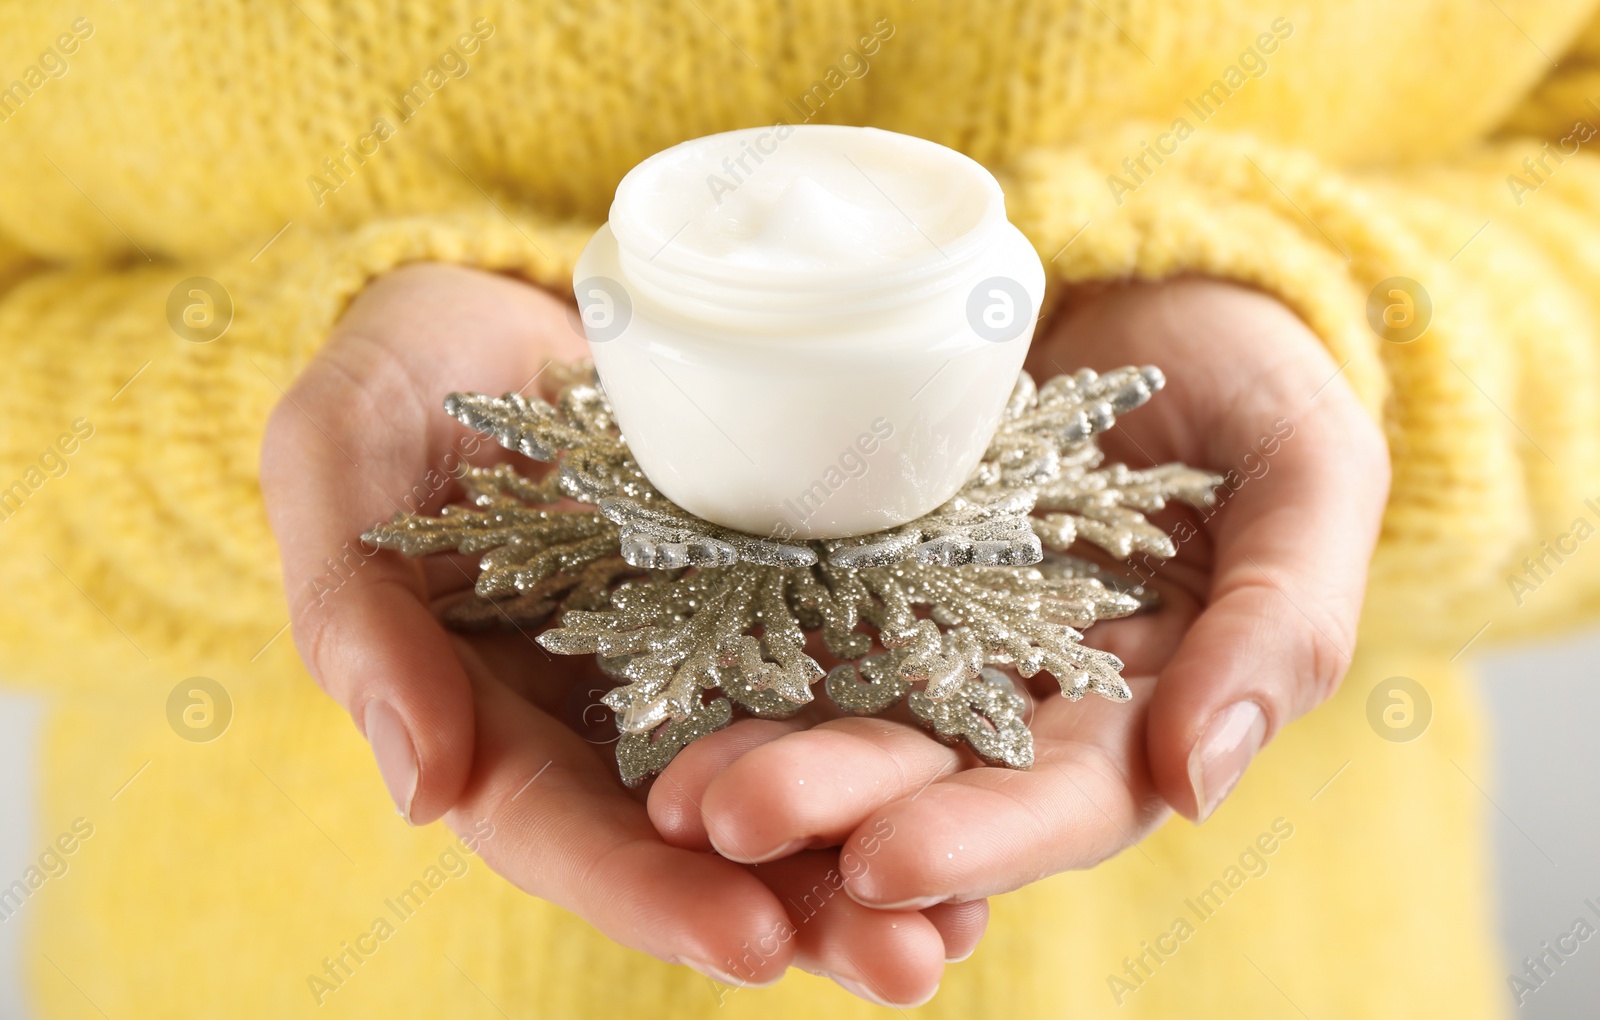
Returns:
<point x="1308" y="474"/>
<point x="562" y="829"/>
<point x="676" y="797"/>
<point x="985" y="831"/>
<point x="366" y="633"/>
<point x="961" y="926"/>
<point x="1277" y="633"/>
<point x="815" y="786"/>
<point x="889" y="957"/>
<point x="357" y="438"/>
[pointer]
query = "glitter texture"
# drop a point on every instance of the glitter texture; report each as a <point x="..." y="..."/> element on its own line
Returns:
<point x="986" y="713"/>
<point x="640" y="755"/>
<point x="675" y="606"/>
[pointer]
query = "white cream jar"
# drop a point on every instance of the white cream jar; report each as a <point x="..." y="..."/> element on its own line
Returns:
<point x="808" y="332"/>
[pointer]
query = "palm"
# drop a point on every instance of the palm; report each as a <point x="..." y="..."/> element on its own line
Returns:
<point x="498" y="730"/>
<point x="1258" y="609"/>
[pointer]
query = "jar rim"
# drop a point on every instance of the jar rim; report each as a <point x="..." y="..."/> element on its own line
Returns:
<point x="642" y="239"/>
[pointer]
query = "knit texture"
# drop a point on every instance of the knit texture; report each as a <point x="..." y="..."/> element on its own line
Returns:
<point x="283" y="151"/>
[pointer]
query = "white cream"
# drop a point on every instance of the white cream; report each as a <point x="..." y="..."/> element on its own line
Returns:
<point x="808" y="331"/>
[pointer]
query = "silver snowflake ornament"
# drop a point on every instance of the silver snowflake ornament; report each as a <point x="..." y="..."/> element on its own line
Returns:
<point x="679" y="609"/>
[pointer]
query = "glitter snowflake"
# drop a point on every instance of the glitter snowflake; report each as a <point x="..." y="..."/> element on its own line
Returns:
<point x="675" y="607"/>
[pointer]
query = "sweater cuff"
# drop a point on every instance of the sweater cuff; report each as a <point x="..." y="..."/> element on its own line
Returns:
<point x="1124" y="207"/>
<point x="157" y="517"/>
<point x="1145" y="203"/>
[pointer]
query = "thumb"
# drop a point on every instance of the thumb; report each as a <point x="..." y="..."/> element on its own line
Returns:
<point x="358" y="437"/>
<point x="361" y="617"/>
<point x="1292" y="541"/>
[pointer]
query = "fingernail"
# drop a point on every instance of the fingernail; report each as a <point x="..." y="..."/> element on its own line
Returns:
<point x="722" y="977"/>
<point x="915" y="903"/>
<point x="397" y="757"/>
<point x="1222" y="752"/>
<point x="862" y="991"/>
<point x="963" y="958"/>
<point x="738" y="854"/>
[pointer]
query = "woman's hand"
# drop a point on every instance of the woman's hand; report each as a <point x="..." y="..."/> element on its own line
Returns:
<point x="487" y="727"/>
<point x="1257" y="626"/>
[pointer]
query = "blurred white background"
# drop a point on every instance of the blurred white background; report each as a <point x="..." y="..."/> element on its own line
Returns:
<point x="1545" y="703"/>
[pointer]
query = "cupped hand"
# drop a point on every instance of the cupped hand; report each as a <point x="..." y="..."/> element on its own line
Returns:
<point x="489" y="728"/>
<point x="1256" y="628"/>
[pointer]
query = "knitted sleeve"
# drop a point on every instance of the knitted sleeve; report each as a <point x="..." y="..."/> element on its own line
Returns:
<point x="1568" y="95"/>
<point x="129" y="508"/>
<point x="1462" y="300"/>
<point x="134" y="402"/>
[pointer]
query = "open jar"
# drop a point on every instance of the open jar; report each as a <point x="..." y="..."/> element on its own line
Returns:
<point x="808" y="331"/>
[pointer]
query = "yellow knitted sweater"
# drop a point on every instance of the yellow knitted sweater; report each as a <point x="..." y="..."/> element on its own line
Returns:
<point x="293" y="151"/>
